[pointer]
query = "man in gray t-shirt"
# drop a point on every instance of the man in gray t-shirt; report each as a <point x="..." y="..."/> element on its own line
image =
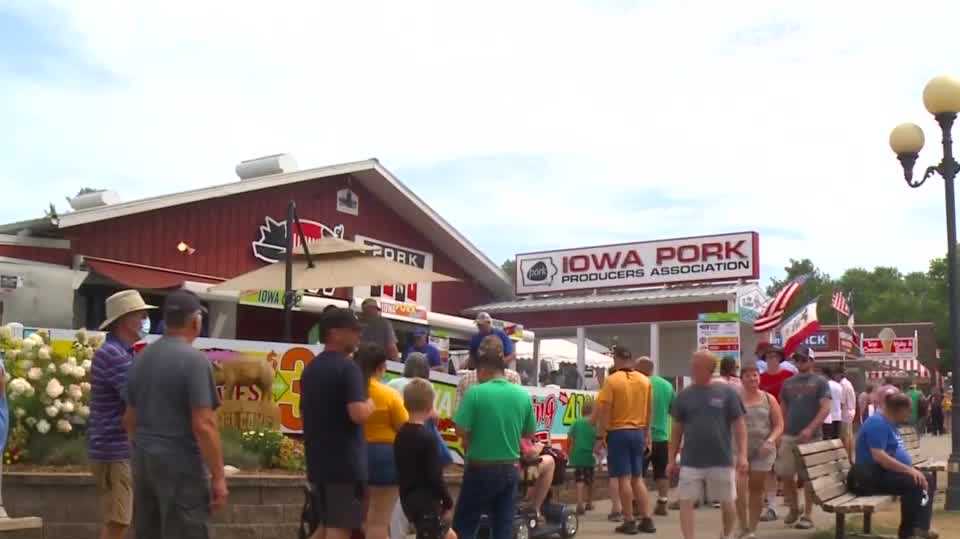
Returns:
<point x="805" y="399"/>
<point x="171" y="398"/>
<point x="378" y="330"/>
<point x="706" y="418"/>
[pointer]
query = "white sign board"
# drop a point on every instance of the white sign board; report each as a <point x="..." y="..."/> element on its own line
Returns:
<point x="708" y="258"/>
<point x="415" y="294"/>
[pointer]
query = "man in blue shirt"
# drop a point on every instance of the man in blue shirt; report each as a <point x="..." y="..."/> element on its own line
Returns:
<point x="883" y="466"/>
<point x="485" y="328"/>
<point x="422" y="344"/>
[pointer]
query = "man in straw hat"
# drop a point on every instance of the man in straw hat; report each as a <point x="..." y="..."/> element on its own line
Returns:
<point x="107" y="443"/>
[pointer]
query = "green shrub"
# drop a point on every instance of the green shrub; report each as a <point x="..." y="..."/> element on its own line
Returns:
<point x="56" y="451"/>
<point x="234" y="452"/>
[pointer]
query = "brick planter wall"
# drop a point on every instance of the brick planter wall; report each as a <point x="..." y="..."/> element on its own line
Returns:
<point x="260" y="506"/>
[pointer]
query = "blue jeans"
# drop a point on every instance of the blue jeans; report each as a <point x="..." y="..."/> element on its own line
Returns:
<point x="487" y="490"/>
<point x="625" y="452"/>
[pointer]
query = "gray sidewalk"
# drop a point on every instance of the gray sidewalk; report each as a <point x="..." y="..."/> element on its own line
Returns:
<point x="708" y="523"/>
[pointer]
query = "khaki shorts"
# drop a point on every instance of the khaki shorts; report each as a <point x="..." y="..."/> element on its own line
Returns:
<point x="720" y="483"/>
<point x="788" y="463"/>
<point x="115" y="489"/>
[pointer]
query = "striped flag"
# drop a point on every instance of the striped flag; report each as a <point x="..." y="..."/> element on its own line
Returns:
<point x="846" y="341"/>
<point x="839" y="303"/>
<point x="773" y="311"/>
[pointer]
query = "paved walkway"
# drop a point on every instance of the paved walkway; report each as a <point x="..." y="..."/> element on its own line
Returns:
<point x="708" y="523"/>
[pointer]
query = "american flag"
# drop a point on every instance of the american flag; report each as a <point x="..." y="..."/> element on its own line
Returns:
<point x="839" y="303"/>
<point x="773" y="311"/>
<point x="846" y="341"/>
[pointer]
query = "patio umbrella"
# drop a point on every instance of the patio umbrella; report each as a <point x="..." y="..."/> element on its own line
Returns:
<point x="326" y="263"/>
<point x="335" y="265"/>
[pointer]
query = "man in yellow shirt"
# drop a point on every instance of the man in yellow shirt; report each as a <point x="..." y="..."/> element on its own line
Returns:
<point x="623" y="419"/>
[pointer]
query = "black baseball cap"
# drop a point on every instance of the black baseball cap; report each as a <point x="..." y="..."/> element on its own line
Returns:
<point x="183" y="301"/>
<point x="338" y="318"/>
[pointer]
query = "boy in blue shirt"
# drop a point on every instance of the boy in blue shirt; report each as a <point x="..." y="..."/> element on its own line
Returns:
<point x="883" y="466"/>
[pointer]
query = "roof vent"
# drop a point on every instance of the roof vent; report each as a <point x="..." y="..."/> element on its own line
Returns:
<point x="91" y="198"/>
<point x="266" y="166"/>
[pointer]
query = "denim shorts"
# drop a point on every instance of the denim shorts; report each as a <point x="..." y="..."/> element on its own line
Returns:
<point x="382" y="468"/>
<point x="625" y="452"/>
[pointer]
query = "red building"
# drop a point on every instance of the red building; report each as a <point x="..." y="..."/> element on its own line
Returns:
<point x="57" y="271"/>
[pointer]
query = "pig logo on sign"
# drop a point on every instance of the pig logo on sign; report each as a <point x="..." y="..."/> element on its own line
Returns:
<point x="537" y="271"/>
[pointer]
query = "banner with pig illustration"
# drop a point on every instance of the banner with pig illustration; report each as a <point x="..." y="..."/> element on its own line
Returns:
<point x="555" y="409"/>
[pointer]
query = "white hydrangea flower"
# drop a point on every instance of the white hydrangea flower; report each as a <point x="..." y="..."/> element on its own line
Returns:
<point x="17" y="386"/>
<point x="27" y="345"/>
<point x="86" y="364"/>
<point x="30" y="391"/>
<point x="66" y="368"/>
<point x="6" y="333"/>
<point x="83" y="411"/>
<point x="43" y="426"/>
<point x="25" y="364"/>
<point x="51" y="368"/>
<point x="85" y="386"/>
<point x="44" y="353"/>
<point x="64" y="426"/>
<point x="14" y="354"/>
<point x="52" y="411"/>
<point x="68" y="407"/>
<point x="35" y="373"/>
<point x="75" y="391"/>
<point x="54" y="388"/>
<point x="78" y="372"/>
<point x="30" y="421"/>
<point x="20" y="412"/>
<point x="72" y="360"/>
<point x="81" y="336"/>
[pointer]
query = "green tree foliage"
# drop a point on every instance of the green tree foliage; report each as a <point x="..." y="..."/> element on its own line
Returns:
<point x="509" y="267"/>
<point x="881" y="295"/>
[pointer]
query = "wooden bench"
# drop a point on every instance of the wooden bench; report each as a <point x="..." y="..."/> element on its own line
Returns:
<point x="921" y="462"/>
<point x="825" y="467"/>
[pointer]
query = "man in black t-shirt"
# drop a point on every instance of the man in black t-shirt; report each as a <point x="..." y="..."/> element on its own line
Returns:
<point x="334" y="407"/>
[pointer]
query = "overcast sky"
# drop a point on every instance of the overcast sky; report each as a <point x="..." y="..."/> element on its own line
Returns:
<point x="528" y="125"/>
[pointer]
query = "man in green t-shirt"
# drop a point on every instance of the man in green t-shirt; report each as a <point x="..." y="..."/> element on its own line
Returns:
<point x="582" y="437"/>
<point x="915" y="397"/>
<point x="491" y="419"/>
<point x="663" y="395"/>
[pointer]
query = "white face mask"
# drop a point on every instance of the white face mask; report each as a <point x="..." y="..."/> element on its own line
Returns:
<point x="144" y="327"/>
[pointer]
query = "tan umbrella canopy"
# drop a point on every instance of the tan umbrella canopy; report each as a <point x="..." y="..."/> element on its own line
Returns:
<point x="336" y="264"/>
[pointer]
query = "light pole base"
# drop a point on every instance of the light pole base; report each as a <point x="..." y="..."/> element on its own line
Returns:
<point x="953" y="484"/>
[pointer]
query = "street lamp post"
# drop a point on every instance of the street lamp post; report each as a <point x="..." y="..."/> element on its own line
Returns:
<point x="942" y="98"/>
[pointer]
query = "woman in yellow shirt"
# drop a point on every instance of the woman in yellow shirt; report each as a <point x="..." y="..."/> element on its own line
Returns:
<point x="380" y="430"/>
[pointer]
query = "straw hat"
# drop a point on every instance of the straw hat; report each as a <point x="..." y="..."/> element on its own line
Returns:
<point x="121" y="303"/>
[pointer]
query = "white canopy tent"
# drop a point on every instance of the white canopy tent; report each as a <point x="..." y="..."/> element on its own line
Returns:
<point x="562" y="351"/>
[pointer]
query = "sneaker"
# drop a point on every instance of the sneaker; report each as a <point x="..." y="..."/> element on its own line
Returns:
<point x="628" y="528"/>
<point x="615" y="516"/>
<point x="748" y="535"/>
<point x="661" y="509"/>
<point x="768" y="515"/>
<point x="804" y="524"/>
<point x="791" y="518"/>
<point x="926" y="534"/>
<point x="647" y="526"/>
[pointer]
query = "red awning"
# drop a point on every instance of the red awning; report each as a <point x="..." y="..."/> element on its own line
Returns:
<point x="142" y="276"/>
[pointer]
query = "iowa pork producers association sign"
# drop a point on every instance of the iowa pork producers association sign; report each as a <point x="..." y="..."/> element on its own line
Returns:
<point x="708" y="258"/>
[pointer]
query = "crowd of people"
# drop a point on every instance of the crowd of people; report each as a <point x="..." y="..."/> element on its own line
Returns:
<point x="375" y="457"/>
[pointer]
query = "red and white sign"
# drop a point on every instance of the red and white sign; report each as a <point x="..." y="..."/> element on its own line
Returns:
<point x="708" y="258"/>
<point x="898" y="347"/>
<point x="799" y="327"/>
<point x="413" y="295"/>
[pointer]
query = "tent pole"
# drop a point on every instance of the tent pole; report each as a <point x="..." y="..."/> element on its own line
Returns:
<point x="288" y="293"/>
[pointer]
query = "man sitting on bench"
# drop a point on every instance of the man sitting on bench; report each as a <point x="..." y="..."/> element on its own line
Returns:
<point x="883" y="466"/>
